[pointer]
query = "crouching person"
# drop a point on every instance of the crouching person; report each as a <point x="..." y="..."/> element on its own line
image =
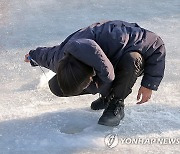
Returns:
<point x="105" y="58"/>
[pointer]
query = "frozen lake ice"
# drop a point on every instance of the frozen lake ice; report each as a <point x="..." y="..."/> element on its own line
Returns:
<point x="32" y="120"/>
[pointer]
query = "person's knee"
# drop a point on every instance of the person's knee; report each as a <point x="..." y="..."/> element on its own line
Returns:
<point x="54" y="87"/>
<point x="133" y="61"/>
<point x="132" y="57"/>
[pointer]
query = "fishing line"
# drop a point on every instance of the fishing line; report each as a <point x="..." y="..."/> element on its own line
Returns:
<point x="30" y="58"/>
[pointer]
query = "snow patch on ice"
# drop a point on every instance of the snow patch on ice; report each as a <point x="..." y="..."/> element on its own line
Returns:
<point x="44" y="78"/>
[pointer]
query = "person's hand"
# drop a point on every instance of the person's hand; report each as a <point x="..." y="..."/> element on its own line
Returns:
<point x="144" y="94"/>
<point x="26" y="58"/>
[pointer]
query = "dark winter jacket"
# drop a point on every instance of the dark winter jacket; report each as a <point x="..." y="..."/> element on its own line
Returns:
<point x="102" y="45"/>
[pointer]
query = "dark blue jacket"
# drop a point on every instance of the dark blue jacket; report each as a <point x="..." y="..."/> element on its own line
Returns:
<point x="101" y="45"/>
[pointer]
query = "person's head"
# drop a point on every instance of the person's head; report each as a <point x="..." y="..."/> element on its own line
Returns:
<point x="73" y="75"/>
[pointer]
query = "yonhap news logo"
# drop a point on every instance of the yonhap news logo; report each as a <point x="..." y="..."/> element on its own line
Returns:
<point x="112" y="140"/>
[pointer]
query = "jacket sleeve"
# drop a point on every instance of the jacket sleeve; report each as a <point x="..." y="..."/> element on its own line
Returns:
<point x="154" y="66"/>
<point x="89" y="52"/>
<point x="47" y="57"/>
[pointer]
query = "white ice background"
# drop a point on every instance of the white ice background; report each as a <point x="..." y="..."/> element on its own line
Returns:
<point x="33" y="120"/>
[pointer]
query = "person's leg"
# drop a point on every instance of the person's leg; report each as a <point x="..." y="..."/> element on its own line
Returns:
<point x="56" y="90"/>
<point x="128" y="69"/>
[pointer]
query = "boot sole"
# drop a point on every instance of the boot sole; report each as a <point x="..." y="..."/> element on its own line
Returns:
<point x="111" y="125"/>
<point x="97" y="109"/>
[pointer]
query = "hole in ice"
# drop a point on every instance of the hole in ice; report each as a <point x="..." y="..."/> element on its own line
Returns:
<point x="74" y="122"/>
<point x="75" y="126"/>
<point x="72" y="128"/>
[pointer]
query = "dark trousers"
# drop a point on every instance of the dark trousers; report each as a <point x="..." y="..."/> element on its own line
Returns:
<point x="130" y="66"/>
<point x="127" y="70"/>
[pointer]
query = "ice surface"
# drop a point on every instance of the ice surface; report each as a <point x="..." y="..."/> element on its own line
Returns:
<point x="32" y="120"/>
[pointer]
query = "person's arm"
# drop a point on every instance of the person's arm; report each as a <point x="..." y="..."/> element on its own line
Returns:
<point x="153" y="72"/>
<point x="154" y="69"/>
<point x="89" y="52"/>
<point x="47" y="57"/>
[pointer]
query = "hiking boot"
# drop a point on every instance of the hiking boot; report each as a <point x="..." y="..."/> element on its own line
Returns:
<point x="100" y="103"/>
<point x="113" y="113"/>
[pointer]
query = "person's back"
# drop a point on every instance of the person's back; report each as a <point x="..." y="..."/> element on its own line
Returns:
<point x="119" y="37"/>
